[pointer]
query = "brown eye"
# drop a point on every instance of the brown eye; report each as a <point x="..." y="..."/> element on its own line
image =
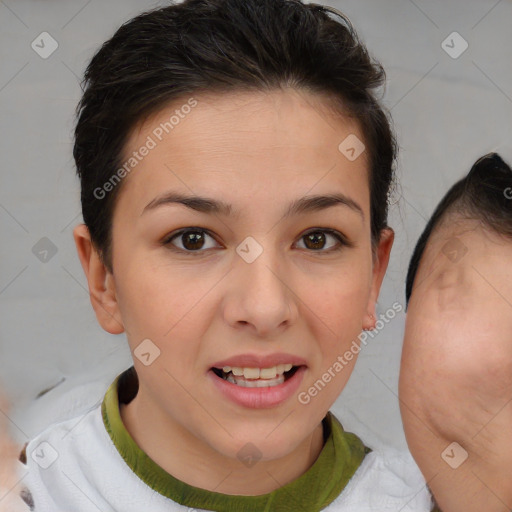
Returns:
<point x="192" y="240"/>
<point x="317" y="240"/>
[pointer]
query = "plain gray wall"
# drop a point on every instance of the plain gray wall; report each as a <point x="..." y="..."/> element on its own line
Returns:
<point x="447" y="112"/>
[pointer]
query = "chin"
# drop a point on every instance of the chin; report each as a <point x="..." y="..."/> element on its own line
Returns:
<point x="255" y="446"/>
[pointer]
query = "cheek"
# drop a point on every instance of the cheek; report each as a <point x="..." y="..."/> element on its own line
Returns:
<point x="157" y="300"/>
<point x="341" y="309"/>
<point x="343" y="297"/>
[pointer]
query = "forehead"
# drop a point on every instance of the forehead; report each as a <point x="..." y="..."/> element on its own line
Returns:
<point x="462" y="256"/>
<point x="246" y="144"/>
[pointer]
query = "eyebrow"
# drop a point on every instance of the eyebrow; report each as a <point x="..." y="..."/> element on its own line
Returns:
<point x="213" y="206"/>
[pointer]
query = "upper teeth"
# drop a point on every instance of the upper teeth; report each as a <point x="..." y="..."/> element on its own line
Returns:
<point x="258" y="373"/>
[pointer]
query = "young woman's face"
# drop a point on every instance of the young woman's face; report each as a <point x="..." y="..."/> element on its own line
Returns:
<point x="255" y="274"/>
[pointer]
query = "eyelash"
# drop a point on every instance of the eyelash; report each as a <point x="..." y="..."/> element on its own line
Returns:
<point x="343" y="241"/>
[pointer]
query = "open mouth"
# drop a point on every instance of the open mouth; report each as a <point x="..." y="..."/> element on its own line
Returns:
<point x="256" y="377"/>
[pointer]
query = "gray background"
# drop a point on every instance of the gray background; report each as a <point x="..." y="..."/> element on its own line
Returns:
<point x="447" y="112"/>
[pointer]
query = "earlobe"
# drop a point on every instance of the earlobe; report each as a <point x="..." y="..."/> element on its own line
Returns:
<point x="380" y="266"/>
<point x="369" y="323"/>
<point x="100" y="280"/>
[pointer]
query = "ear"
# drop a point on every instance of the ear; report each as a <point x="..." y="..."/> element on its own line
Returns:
<point x="101" y="282"/>
<point x="380" y="264"/>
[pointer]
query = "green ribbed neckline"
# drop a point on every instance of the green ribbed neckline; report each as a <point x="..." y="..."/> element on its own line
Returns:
<point x="341" y="455"/>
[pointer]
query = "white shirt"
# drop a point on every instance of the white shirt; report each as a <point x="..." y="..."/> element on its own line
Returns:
<point x="73" y="466"/>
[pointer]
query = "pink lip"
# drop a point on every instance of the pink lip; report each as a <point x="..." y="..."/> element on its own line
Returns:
<point x="255" y="361"/>
<point x="258" y="398"/>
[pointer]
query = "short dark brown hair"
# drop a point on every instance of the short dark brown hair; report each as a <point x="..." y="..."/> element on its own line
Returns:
<point x="223" y="45"/>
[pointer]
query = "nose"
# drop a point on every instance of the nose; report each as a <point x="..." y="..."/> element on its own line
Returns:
<point x="260" y="297"/>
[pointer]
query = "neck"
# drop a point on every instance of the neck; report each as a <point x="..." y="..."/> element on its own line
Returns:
<point x="189" y="459"/>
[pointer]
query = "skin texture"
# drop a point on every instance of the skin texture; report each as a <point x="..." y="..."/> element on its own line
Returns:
<point x="259" y="152"/>
<point x="456" y="373"/>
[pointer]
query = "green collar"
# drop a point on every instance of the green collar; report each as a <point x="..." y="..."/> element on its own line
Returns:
<point x="341" y="455"/>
